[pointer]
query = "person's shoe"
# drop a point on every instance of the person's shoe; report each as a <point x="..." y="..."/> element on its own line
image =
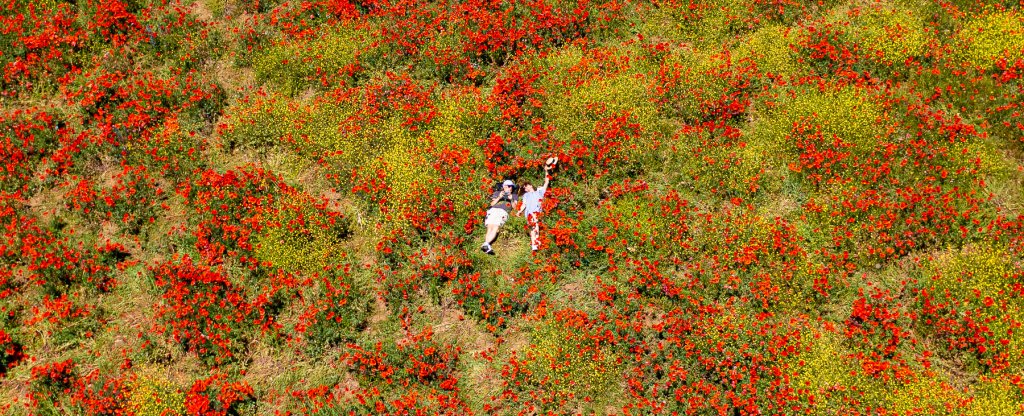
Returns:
<point x="486" y="248"/>
<point x="534" y="248"/>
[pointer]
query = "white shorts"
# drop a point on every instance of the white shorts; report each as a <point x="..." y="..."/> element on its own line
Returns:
<point x="496" y="216"/>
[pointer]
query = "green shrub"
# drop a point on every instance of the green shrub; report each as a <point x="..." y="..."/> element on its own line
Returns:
<point x="848" y="114"/>
<point x="704" y="23"/>
<point x="995" y="398"/>
<point x="302" y="238"/>
<point x="150" y="395"/>
<point x="977" y="280"/>
<point x="711" y="165"/>
<point x="260" y="121"/>
<point x="600" y="102"/>
<point x="336" y="310"/>
<point x="836" y="381"/>
<point x="770" y="48"/>
<point x="989" y="37"/>
<point x="687" y="82"/>
<point x="895" y="33"/>
<point x="294" y="67"/>
<point x="567" y="364"/>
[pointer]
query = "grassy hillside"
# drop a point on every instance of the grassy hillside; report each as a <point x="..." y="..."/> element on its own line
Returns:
<point x="245" y="207"/>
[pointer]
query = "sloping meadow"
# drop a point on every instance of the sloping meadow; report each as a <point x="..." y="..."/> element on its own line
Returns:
<point x="235" y="207"/>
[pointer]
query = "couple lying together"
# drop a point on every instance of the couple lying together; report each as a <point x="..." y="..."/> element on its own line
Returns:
<point x="505" y="200"/>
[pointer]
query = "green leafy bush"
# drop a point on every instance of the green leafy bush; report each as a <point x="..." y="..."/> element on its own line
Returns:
<point x="711" y="165"/>
<point x="151" y="395"/>
<point x="687" y="82"/>
<point x="303" y="238"/>
<point x="293" y="67"/>
<point x="260" y="121"/>
<point x="336" y="310"/>
<point x="770" y="47"/>
<point x="995" y="398"/>
<point x="847" y="114"/>
<point x="966" y="306"/>
<point x="892" y="34"/>
<point x="568" y="364"/>
<point x="991" y="36"/>
<point x="835" y="381"/>
<point x="580" y="85"/>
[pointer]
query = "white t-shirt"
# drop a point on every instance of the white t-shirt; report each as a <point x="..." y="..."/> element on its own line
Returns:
<point x="531" y="200"/>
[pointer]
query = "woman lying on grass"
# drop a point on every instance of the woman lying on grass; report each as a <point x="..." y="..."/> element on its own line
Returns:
<point x="531" y="206"/>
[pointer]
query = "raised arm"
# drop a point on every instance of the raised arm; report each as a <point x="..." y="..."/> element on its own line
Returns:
<point x="547" y="176"/>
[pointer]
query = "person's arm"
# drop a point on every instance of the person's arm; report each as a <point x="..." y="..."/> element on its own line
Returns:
<point x="547" y="176"/>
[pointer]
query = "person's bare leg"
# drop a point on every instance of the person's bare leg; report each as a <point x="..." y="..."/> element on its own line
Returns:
<point x="535" y="236"/>
<point x="492" y="233"/>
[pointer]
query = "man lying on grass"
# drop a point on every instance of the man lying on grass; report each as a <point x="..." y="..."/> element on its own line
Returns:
<point x="502" y="202"/>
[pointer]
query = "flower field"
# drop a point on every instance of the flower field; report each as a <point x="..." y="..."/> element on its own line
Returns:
<point x="275" y="207"/>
